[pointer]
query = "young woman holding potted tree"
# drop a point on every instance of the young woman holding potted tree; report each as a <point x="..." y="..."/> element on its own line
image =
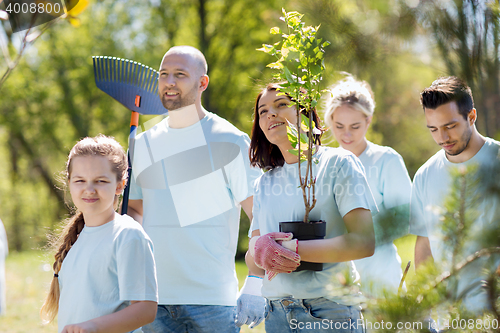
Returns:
<point x="303" y="300"/>
<point x="349" y="112"/>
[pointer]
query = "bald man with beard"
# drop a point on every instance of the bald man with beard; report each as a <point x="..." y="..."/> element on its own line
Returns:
<point x="191" y="177"/>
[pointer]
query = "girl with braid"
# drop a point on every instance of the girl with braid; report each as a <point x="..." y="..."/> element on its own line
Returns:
<point x="104" y="270"/>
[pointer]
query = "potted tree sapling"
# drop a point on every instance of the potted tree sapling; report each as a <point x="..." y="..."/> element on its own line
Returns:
<point x="300" y="66"/>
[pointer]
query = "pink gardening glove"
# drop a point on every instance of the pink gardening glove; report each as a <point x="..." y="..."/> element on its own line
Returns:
<point x="274" y="258"/>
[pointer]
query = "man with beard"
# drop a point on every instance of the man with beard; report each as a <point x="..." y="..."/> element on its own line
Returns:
<point x="191" y="176"/>
<point x="451" y="116"/>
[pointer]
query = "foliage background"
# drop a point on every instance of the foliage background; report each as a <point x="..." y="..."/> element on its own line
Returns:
<point x="50" y="100"/>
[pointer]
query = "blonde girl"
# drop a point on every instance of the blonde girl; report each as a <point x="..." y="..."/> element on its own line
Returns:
<point x="104" y="271"/>
<point x="349" y="112"/>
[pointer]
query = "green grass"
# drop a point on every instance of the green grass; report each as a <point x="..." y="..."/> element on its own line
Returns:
<point x="406" y="250"/>
<point x="28" y="276"/>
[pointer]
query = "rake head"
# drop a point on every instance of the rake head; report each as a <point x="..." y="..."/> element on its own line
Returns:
<point x="131" y="83"/>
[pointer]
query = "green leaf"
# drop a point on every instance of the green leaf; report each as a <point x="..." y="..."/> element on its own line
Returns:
<point x="304" y="127"/>
<point x="291" y="137"/>
<point x="303" y="60"/>
<point x="293" y="22"/>
<point x="304" y="139"/>
<point x="292" y="129"/>
<point x="305" y="122"/>
<point x="275" y="31"/>
<point x="266" y="48"/>
<point x="284" y="52"/>
<point x="310" y="51"/>
<point x="309" y="29"/>
<point x="275" y="65"/>
<point x="316" y="69"/>
<point x="296" y="16"/>
<point x="288" y="74"/>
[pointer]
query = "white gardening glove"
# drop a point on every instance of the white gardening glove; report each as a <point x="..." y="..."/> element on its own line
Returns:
<point x="250" y="304"/>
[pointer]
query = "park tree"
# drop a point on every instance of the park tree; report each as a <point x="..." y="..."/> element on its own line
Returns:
<point x="50" y="99"/>
<point x="13" y="47"/>
<point x="467" y="36"/>
<point x="48" y="102"/>
<point x="227" y="32"/>
<point x="432" y="294"/>
<point x="377" y="41"/>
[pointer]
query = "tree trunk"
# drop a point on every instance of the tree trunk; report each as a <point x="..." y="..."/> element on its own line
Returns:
<point x="16" y="223"/>
<point x="203" y="45"/>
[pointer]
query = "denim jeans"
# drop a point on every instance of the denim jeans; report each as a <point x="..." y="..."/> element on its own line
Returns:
<point x="292" y="315"/>
<point x="193" y="319"/>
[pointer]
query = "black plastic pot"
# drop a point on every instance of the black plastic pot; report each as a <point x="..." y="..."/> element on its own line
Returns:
<point x="306" y="231"/>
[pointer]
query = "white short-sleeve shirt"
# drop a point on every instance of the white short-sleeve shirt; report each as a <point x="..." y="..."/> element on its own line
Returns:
<point x="191" y="181"/>
<point x="107" y="267"/>
<point x="341" y="186"/>
<point x="391" y="188"/>
<point x="431" y="187"/>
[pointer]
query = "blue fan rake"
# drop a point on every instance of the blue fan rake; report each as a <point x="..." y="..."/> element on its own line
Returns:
<point x="135" y="86"/>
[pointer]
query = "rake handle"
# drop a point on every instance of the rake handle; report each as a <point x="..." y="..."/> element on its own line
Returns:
<point x="134" y="122"/>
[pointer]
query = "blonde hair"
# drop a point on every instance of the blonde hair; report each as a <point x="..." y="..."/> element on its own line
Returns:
<point x="97" y="146"/>
<point x="357" y="94"/>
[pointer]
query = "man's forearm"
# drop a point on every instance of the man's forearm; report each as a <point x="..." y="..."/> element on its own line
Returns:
<point x="134" y="214"/>
<point x="423" y="251"/>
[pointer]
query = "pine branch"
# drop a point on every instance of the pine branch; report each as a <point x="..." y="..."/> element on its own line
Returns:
<point x="471" y="258"/>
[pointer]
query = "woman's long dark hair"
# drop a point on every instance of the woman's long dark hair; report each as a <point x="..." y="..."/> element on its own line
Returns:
<point x="263" y="153"/>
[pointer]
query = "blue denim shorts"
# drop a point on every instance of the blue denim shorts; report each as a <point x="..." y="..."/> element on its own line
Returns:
<point x="292" y="315"/>
<point x="193" y="319"/>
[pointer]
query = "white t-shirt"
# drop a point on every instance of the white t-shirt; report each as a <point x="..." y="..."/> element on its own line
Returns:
<point x="107" y="267"/>
<point x="341" y="186"/>
<point x="191" y="181"/>
<point x="431" y="187"/>
<point x="4" y="250"/>
<point x="391" y="187"/>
